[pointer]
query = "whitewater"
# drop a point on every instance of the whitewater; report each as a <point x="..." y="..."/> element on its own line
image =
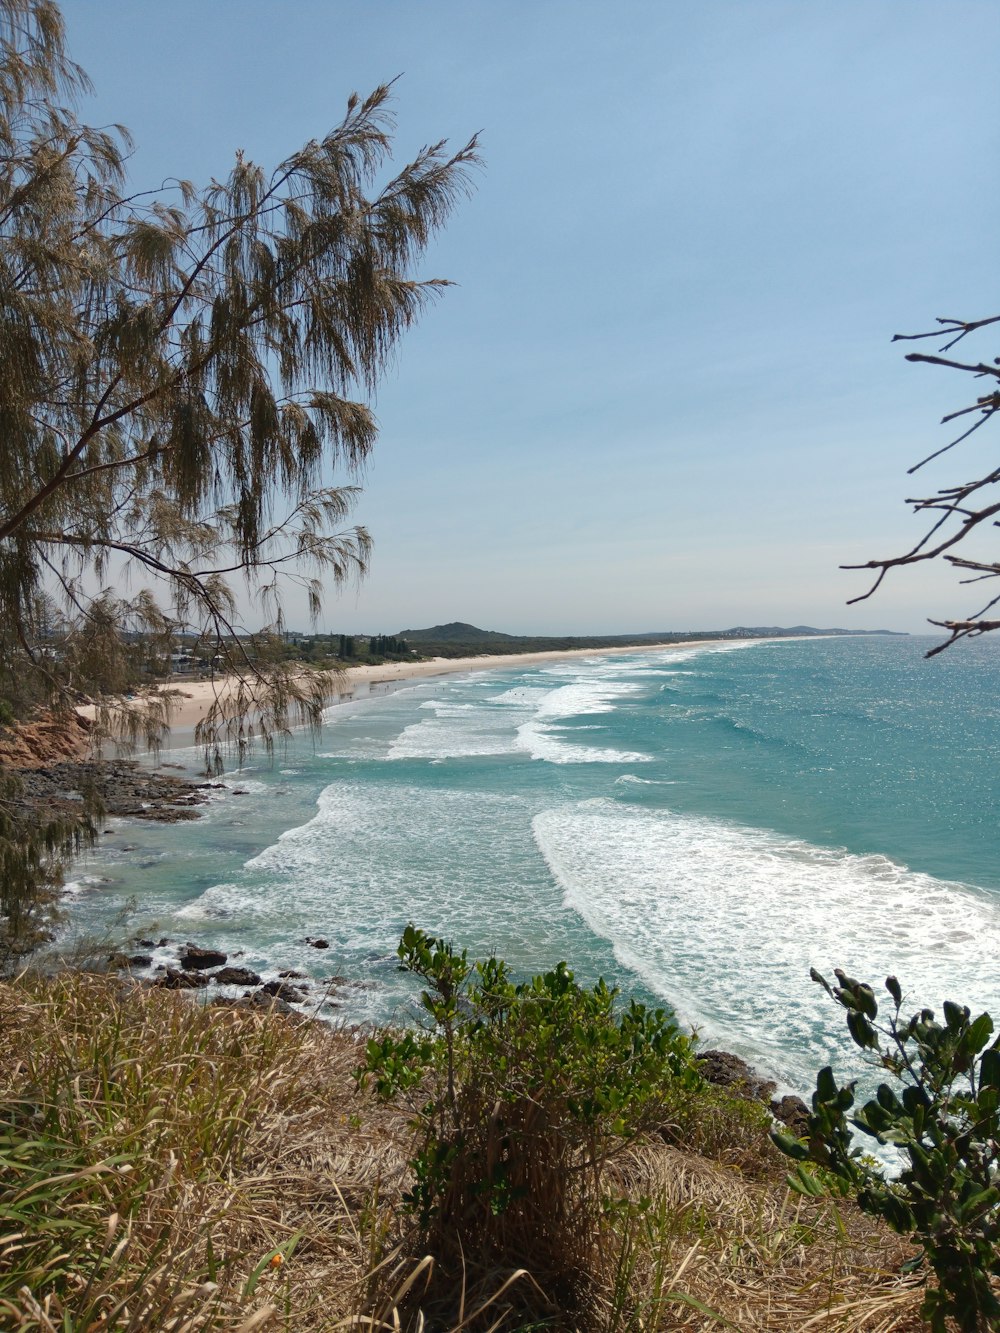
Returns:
<point x="698" y="825"/>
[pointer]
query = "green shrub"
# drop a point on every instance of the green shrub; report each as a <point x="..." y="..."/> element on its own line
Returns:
<point x="519" y="1095"/>
<point x="945" y="1124"/>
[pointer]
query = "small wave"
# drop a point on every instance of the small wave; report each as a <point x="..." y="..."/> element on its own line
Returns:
<point x="545" y="743"/>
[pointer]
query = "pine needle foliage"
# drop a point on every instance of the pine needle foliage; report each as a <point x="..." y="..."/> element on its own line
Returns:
<point x="182" y="372"/>
<point x="183" y="375"/>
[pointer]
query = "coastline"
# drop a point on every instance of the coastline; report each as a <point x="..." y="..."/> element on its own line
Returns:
<point x="190" y="700"/>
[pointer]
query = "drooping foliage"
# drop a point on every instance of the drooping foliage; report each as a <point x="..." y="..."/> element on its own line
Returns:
<point x="184" y="374"/>
<point x="181" y="373"/>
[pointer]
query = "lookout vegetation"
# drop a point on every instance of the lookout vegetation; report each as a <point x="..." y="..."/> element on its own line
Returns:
<point x="184" y="375"/>
<point x="536" y="1154"/>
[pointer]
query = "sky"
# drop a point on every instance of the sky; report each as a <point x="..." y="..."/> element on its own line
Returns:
<point x="662" y="394"/>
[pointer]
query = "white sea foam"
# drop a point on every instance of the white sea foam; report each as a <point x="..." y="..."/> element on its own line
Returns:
<point x="542" y="737"/>
<point x="521" y="719"/>
<point x="526" y="718"/>
<point x="73" y="888"/>
<point x="374" y="857"/>
<point x="725" y="922"/>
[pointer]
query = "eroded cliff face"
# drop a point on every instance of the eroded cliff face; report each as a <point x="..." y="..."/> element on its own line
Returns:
<point x="50" y="739"/>
<point x="58" y="774"/>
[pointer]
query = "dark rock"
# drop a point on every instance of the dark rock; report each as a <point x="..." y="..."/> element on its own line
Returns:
<point x="282" y="990"/>
<point x="122" y="787"/>
<point x="793" y="1114"/>
<point x="195" y="957"/>
<point x="240" y="791"/>
<point x="236" y="976"/>
<point x="146" y="944"/>
<point x="726" y="1070"/>
<point x="273" y="1003"/>
<point x="162" y="942"/>
<point x="174" y="980"/>
<point x="140" y="960"/>
<point x="319" y="944"/>
<point x="289" y="975"/>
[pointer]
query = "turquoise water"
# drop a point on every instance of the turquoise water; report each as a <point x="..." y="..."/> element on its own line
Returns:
<point x="700" y="826"/>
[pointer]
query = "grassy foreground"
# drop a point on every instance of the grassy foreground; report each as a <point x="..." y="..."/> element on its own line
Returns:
<point x="165" y="1166"/>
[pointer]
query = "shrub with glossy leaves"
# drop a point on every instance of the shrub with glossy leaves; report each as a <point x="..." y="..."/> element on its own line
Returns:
<point x="519" y="1094"/>
<point x="944" y="1120"/>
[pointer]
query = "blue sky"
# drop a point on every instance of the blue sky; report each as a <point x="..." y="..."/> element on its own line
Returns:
<point x="662" y="394"/>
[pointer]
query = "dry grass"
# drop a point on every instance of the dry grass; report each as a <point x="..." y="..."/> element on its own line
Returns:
<point x="185" y="1147"/>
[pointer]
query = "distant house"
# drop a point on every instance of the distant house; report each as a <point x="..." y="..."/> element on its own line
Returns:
<point x="182" y="663"/>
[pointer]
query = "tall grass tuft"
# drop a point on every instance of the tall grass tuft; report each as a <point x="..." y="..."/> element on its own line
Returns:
<point x="171" y="1168"/>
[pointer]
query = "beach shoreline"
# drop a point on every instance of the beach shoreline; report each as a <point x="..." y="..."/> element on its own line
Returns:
<point x="190" y="700"/>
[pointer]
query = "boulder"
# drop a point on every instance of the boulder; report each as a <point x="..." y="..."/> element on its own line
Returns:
<point x="319" y="944"/>
<point x="195" y="957"/>
<point x="282" y="991"/>
<point x="272" y="1003"/>
<point x="793" y="1114"/>
<point x="140" y="960"/>
<point x="290" y="975"/>
<point x="174" y="980"/>
<point x="726" y="1070"/>
<point x="236" y="976"/>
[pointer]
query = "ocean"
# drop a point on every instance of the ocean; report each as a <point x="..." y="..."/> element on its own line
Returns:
<point x="698" y="825"/>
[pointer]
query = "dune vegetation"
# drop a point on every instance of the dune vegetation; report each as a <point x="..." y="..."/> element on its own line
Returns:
<point x="178" y="1166"/>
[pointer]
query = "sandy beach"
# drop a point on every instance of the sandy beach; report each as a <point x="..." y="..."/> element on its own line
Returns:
<point x="191" y="699"/>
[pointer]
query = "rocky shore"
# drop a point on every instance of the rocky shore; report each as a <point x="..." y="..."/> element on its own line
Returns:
<point x="57" y="774"/>
<point x="120" y="788"/>
<point x="191" y="967"/>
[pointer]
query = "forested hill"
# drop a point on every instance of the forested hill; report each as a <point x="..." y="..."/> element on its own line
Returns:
<point x="458" y="639"/>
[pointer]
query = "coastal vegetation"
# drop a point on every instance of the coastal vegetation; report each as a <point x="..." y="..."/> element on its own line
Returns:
<point x="183" y="372"/>
<point x="217" y="1167"/>
<point x="458" y="639"/>
<point x="945" y="1123"/>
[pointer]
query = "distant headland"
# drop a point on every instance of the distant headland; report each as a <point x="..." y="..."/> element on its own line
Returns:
<point x="459" y="639"/>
